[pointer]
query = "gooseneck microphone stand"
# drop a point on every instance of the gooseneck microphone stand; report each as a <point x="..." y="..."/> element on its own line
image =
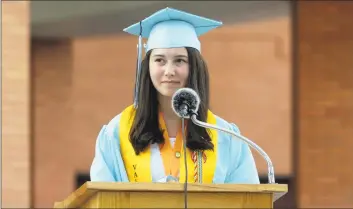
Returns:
<point x="271" y="173"/>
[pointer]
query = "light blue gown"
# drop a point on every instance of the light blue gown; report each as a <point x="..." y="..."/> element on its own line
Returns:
<point x="234" y="165"/>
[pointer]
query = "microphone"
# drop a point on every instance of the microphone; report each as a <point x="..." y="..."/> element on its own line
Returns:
<point x="185" y="103"/>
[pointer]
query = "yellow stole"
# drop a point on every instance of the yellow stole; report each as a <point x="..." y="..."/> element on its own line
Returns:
<point x="138" y="167"/>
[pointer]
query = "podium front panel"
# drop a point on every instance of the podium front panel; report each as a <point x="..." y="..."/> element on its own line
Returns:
<point x="176" y="200"/>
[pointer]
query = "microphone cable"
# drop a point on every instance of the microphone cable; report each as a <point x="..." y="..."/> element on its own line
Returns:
<point x="185" y="163"/>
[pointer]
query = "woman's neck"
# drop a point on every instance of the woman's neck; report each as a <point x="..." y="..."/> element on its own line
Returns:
<point x="166" y="107"/>
<point x="170" y="118"/>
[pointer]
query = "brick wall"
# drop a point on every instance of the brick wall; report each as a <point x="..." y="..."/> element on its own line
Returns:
<point x="250" y="69"/>
<point x="15" y="105"/>
<point x="54" y="138"/>
<point x="325" y="104"/>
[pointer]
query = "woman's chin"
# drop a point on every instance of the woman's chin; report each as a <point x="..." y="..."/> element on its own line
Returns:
<point x="168" y="92"/>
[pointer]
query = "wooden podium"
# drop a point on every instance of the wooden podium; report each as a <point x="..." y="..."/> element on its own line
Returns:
<point x="171" y="195"/>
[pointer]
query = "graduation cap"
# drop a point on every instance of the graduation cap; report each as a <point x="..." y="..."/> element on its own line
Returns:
<point x="169" y="28"/>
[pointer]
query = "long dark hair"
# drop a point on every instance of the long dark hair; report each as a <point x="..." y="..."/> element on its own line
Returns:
<point x="145" y="128"/>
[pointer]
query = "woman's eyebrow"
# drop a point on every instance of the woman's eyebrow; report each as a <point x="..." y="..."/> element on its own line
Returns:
<point x="183" y="56"/>
<point x="178" y="56"/>
<point x="158" y="55"/>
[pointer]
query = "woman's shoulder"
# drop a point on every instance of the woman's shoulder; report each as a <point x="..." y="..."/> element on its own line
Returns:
<point x="223" y="123"/>
<point x="112" y="127"/>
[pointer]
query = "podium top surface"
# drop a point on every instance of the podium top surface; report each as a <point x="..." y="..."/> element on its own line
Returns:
<point x="179" y="187"/>
<point x="90" y="188"/>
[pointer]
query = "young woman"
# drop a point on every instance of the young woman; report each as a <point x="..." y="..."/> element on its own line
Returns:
<point x="144" y="142"/>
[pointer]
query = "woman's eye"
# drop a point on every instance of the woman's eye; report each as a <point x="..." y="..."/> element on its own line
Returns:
<point x="180" y="60"/>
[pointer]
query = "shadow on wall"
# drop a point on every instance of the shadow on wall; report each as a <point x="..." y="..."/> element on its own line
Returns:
<point x="229" y="12"/>
<point x="287" y="201"/>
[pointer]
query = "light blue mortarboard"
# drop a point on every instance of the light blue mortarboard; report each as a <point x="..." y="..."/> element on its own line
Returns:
<point x="169" y="28"/>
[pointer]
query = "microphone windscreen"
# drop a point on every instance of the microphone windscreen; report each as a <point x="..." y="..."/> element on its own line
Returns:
<point x="185" y="96"/>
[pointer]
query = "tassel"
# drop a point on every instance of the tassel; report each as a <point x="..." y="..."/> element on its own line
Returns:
<point x="196" y="166"/>
<point x="197" y="159"/>
<point x="138" y="68"/>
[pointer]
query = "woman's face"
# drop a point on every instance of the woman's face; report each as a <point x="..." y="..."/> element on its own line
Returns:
<point x="169" y="70"/>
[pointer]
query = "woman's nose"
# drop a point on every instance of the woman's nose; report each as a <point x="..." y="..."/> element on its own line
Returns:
<point x="169" y="70"/>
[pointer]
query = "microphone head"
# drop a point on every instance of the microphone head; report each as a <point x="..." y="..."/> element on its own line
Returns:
<point x="185" y="98"/>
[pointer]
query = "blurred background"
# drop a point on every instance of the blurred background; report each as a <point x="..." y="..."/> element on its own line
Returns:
<point x="282" y="71"/>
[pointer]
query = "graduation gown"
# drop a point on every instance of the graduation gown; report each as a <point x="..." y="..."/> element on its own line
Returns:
<point x="231" y="161"/>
